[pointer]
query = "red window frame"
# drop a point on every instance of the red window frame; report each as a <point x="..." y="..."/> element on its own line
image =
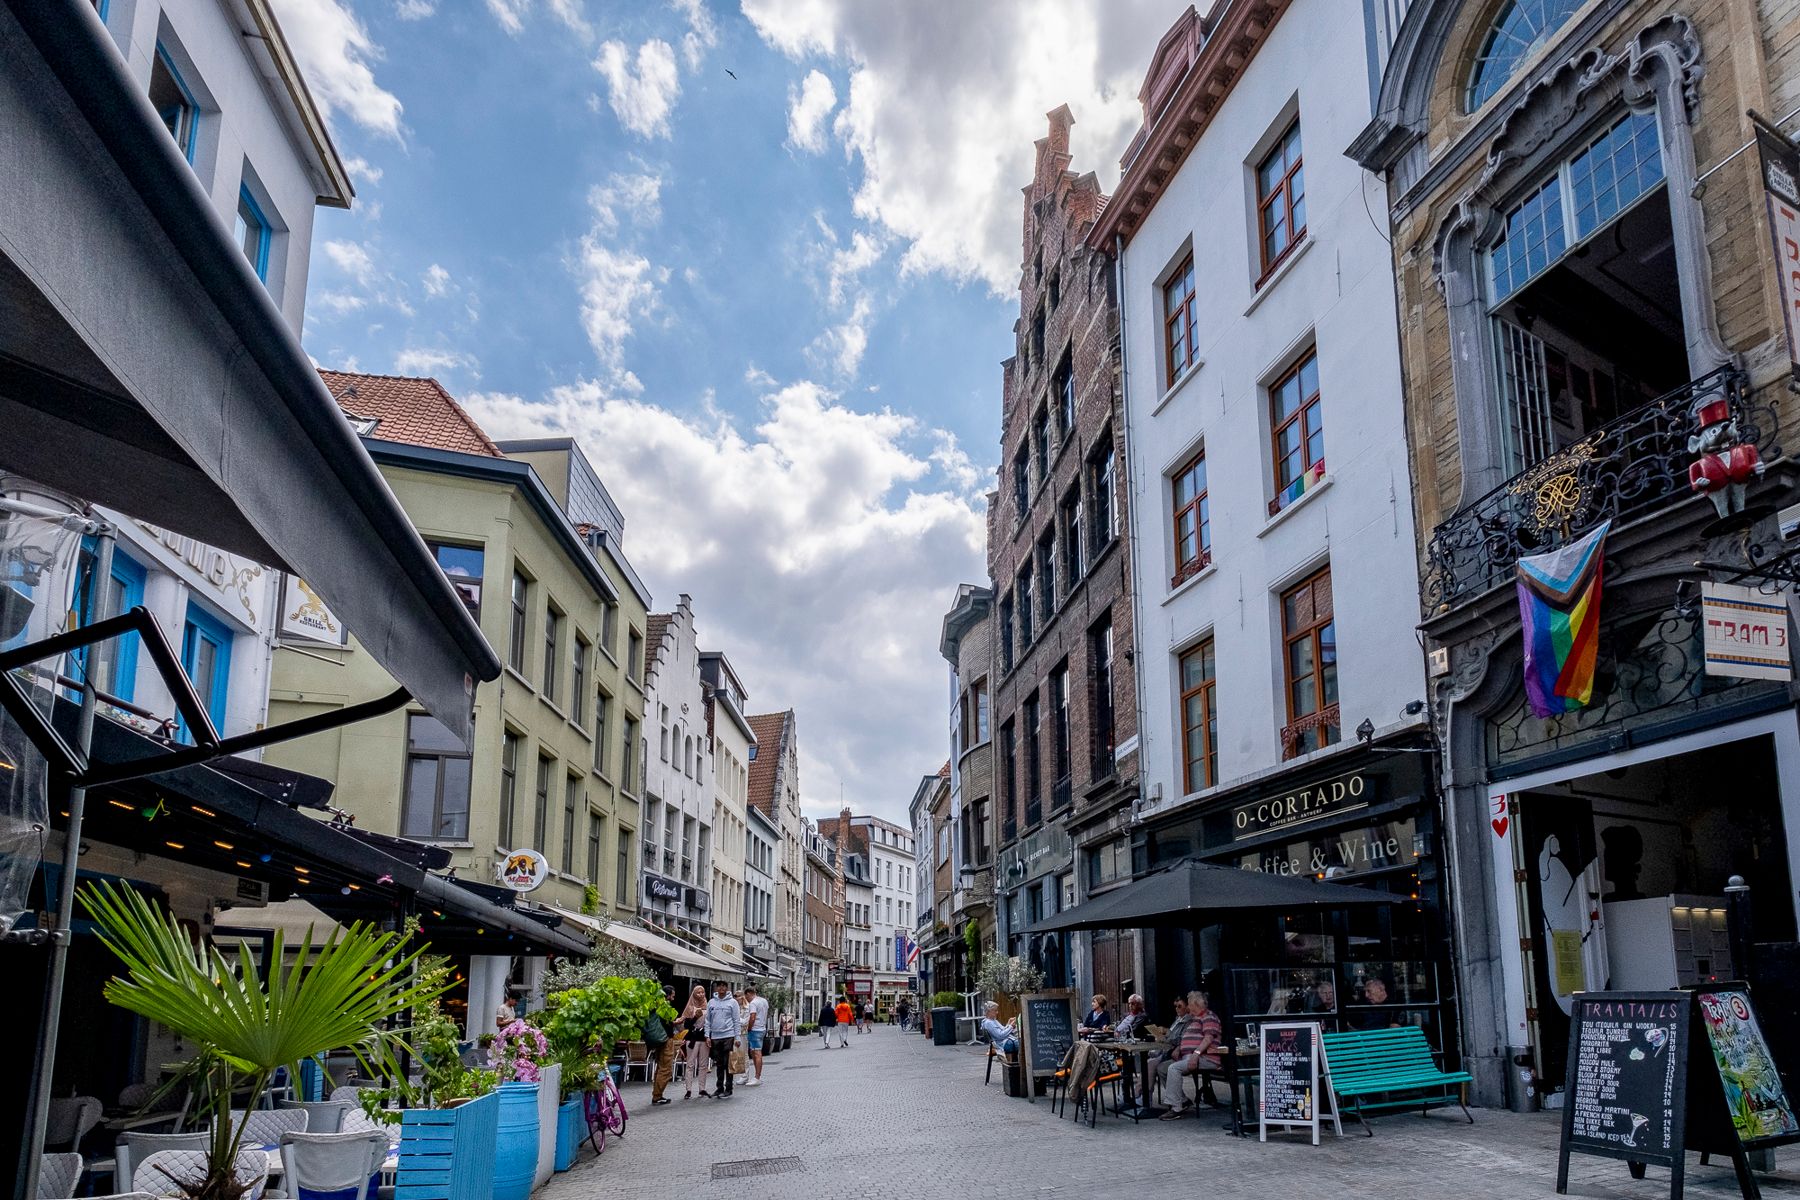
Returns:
<point x="1309" y="412"/>
<point x="1275" y="201"/>
<point x="1197" y="508"/>
<point x="1179" y="350"/>
<point x="1203" y="691"/>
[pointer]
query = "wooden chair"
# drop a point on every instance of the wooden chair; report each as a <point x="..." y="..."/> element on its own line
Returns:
<point x="637" y="1058"/>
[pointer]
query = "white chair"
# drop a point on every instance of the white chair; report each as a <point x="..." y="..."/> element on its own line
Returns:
<point x="323" y="1116"/>
<point x="58" y="1174"/>
<point x="264" y="1126"/>
<point x="71" y="1119"/>
<point x="177" y="1172"/>
<point x="333" y="1162"/>
<point x="133" y="1147"/>
<point x="358" y="1121"/>
<point x="346" y="1091"/>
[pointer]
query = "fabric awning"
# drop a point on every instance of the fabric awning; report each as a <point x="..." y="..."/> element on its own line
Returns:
<point x="145" y="367"/>
<point x="1190" y="893"/>
<point x="657" y="946"/>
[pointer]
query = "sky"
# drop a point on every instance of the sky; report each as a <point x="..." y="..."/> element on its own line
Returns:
<point x="760" y="259"/>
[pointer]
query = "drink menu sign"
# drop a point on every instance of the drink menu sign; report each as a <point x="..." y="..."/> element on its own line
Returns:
<point x="1046" y="1031"/>
<point x="1755" y="1100"/>
<point x="1288" y="1081"/>
<point x="1625" y="1095"/>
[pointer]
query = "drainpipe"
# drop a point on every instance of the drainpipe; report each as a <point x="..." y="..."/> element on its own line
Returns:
<point x="43" y="1069"/>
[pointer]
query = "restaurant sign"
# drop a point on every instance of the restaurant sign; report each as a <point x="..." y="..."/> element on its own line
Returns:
<point x="1781" y="194"/>
<point x="1342" y="852"/>
<point x="1314" y="802"/>
<point x="1746" y="633"/>
<point x="658" y="888"/>
<point x="1043" y="852"/>
<point x="522" y="870"/>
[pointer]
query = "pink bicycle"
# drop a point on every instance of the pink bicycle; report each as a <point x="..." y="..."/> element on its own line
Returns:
<point x="605" y="1111"/>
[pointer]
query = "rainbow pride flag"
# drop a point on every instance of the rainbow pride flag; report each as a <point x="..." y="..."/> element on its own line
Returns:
<point x="1559" y="609"/>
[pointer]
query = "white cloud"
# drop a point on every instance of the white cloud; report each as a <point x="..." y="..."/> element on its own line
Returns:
<point x="849" y="262"/>
<point x="354" y="260"/>
<point x="362" y="170"/>
<point x="841" y="347"/>
<point x="510" y="14"/>
<point x="819" y="555"/>
<point x="414" y="10"/>
<point x="419" y="360"/>
<point x="641" y="96"/>
<point x="436" y="281"/>
<point x="570" y="14"/>
<point x="702" y="33"/>
<point x="335" y="52"/>
<point x="617" y="287"/>
<point x="949" y="189"/>
<point x="808" y="106"/>
<point x="338" y="303"/>
<point x="637" y="195"/>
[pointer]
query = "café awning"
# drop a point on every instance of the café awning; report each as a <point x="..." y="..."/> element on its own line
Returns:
<point x="1189" y="893"/>
<point x="658" y="947"/>
<point x="146" y="368"/>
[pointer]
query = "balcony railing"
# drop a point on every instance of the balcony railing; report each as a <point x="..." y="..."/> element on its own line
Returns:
<point x="1628" y="467"/>
<point x="1034" y="811"/>
<point x="1059" y="795"/>
<point x="1324" y="722"/>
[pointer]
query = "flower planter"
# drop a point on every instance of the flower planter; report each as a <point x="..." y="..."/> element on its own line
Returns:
<point x="448" y="1153"/>
<point x="570" y="1127"/>
<point x="549" y="1093"/>
<point x="515" y="1141"/>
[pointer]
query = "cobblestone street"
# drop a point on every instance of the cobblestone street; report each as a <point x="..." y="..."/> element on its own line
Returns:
<point x="894" y="1117"/>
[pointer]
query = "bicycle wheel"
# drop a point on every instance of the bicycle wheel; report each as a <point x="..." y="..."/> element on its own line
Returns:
<point x="612" y="1109"/>
<point x="590" y="1108"/>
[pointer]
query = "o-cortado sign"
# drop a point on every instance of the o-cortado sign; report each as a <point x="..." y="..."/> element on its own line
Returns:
<point x="1313" y="802"/>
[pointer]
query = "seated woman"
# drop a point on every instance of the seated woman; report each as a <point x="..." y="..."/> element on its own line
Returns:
<point x="1196" y="1054"/>
<point x="1160" y="1060"/>
<point x="1098" y="1017"/>
<point x="1005" y="1038"/>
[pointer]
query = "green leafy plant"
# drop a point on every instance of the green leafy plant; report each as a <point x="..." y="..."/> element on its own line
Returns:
<point x="583" y="1025"/>
<point x="780" y="997"/>
<point x="972" y="940"/>
<point x="611" y="959"/>
<point x="1011" y="976"/>
<point x="338" y="995"/>
<point x="946" y="1000"/>
<point x="590" y="900"/>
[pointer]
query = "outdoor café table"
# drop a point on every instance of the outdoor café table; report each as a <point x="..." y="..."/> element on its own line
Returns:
<point x="1141" y="1051"/>
<point x="1241" y="1068"/>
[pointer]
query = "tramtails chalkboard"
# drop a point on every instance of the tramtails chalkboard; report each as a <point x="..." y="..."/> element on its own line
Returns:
<point x="1291" y="1089"/>
<point x="1636" y="1090"/>
<point x="1046" y="1031"/>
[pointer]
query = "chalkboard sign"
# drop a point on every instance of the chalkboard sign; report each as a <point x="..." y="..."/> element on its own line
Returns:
<point x="1625" y="1095"/>
<point x="1046" y="1031"/>
<point x="1754" y="1097"/>
<point x="1289" y="1076"/>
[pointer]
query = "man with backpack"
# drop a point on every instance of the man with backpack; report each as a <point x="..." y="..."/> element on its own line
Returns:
<point x="659" y="1039"/>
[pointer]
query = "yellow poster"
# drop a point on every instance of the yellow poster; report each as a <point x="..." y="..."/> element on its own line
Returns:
<point x="1565" y="961"/>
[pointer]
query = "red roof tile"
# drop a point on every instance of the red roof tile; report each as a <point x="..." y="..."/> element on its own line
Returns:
<point x="408" y="409"/>
<point x="768" y="728"/>
<point x="654" y="625"/>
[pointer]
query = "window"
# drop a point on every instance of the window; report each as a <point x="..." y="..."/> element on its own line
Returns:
<point x="509" y="787"/>
<point x="578" y="681"/>
<point x="1309" y="639"/>
<point x="1033" y="767"/>
<point x="1041" y="435"/>
<point x="462" y="566"/>
<point x="596" y="826"/>
<point x="602" y="711"/>
<point x="1059" y="704"/>
<point x="662" y="740"/>
<point x="124" y="590"/>
<point x="1100" y="707"/>
<point x="515" y="647"/>
<point x="571" y="799"/>
<point x="1199" y="719"/>
<point x="609" y="627"/>
<point x="1065" y="398"/>
<point x="1101" y="483"/>
<point x="437" y="781"/>
<point x="1109" y="863"/>
<point x="1297" y="426"/>
<point x="628" y="759"/>
<point x="552" y="635"/>
<point x="1037" y="336"/>
<point x="206" y="658"/>
<point x="254" y="234"/>
<point x="1179" y="348"/>
<point x="1519" y="29"/>
<point x="1281" y="198"/>
<point x="1006" y="632"/>
<point x="981" y="710"/>
<point x="1009" y="776"/>
<point x="174" y="102"/>
<point x="1055" y="289"/>
<point x="541" y="823"/>
<point x="634" y="661"/>
<point x="622" y="885"/>
<point x="1193" y="519"/>
<point x="1073" y="566"/>
<point x="1046" y="551"/>
<point x="1025" y="611"/>
<point x="1021" y="481"/>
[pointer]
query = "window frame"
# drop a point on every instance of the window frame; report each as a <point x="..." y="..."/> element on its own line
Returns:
<point x="509" y="789"/>
<point x="1277" y="424"/>
<point x="191" y="107"/>
<point x="417" y="753"/>
<point x="1310" y="633"/>
<point x="1103" y="472"/>
<point x="201" y="626"/>
<point x="540" y="825"/>
<point x="1483" y="56"/>
<point x="265" y="230"/>
<point x="471" y="598"/>
<point x="520" y="600"/>
<point x="553" y="621"/>
<point x="1103" y="715"/>
<point x="572" y="805"/>
<point x="578" y="679"/>
<point x="1206" y="692"/>
<point x="1174" y="365"/>
<point x="1201" y="509"/>
<point x="1284" y="192"/>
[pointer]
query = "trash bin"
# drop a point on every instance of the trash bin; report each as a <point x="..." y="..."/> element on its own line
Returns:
<point x="1015" y="1077"/>
<point x="943" y="1026"/>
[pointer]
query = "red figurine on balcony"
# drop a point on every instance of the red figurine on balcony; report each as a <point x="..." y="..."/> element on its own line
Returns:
<point x="1725" y="461"/>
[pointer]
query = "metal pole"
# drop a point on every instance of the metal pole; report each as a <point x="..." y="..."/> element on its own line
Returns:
<point x="43" y="1071"/>
<point x="1740" y="929"/>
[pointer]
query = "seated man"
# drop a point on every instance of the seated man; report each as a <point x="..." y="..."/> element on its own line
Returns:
<point x="1160" y="1060"/>
<point x="1134" y="1017"/>
<point x="1197" y="1054"/>
<point x="1004" y="1038"/>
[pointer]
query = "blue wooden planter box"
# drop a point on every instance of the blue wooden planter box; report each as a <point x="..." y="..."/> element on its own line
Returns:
<point x="448" y="1153"/>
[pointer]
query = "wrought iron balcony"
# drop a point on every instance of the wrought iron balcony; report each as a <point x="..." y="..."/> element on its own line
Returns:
<point x="1325" y="723"/>
<point x="1059" y="795"/>
<point x="1625" y="468"/>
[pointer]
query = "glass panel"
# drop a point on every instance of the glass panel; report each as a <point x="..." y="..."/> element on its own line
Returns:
<point x="1534" y="239"/>
<point x="1518" y="30"/>
<point x="428" y="733"/>
<point x="453" y="814"/>
<point x="421" y="798"/>
<point x="1618" y="167"/>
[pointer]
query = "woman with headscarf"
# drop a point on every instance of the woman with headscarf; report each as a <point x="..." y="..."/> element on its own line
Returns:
<point x="692" y="1024"/>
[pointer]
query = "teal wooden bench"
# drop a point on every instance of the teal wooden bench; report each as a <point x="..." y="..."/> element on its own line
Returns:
<point x="1370" y="1068"/>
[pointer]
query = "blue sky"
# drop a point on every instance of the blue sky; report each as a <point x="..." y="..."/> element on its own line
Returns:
<point x="772" y="308"/>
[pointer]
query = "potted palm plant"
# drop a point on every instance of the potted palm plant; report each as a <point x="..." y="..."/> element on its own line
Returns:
<point x="336" y="996"/>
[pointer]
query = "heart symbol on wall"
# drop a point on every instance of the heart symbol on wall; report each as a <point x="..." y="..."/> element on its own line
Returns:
<point x="1500" y="825"/>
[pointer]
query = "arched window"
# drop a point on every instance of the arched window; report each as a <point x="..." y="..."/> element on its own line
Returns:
<point x="1517" y="31"/>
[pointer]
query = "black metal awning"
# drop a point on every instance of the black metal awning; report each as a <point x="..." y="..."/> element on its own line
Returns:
<point x="145" y="367"/>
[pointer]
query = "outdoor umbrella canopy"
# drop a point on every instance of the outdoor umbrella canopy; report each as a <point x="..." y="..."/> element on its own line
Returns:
<point x="1182" y="892"/>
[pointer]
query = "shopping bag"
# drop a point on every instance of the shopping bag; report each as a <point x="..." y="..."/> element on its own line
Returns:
<point x="739" y="1060"/>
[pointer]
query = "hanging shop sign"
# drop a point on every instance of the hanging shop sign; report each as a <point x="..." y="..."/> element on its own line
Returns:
<point x="1746" y="633"/>
<point x="305" y="615"/>
<point x="658" y="888"/>
<point x="1045" y="851"/>
<point x="1356" y="850"/>
<point x="1313" y="802"/>
<point x="522" y="870"/>
<point x="1781" y="192"/>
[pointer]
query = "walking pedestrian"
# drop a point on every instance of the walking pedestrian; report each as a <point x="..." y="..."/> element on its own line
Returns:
<point x="827" y="1022"/>
<point x="754" y="1031"/>
<point x="845" y="1015"/>
<point x="903" y="1013"/>
<point x="721" y="1036"/>
<point x="693" y="1031"/>
<point x="659" y="1039"/>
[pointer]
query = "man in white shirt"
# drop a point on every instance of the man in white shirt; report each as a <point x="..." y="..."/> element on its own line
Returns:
<point x="721" y="1035"/>
<point x="755" y="1028"/>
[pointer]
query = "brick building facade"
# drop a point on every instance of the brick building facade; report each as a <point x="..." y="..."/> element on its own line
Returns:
<point x="1064" y="704"/>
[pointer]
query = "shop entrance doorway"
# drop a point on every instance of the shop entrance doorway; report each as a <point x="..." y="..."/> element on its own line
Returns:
<point x="1621" y="878"/>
